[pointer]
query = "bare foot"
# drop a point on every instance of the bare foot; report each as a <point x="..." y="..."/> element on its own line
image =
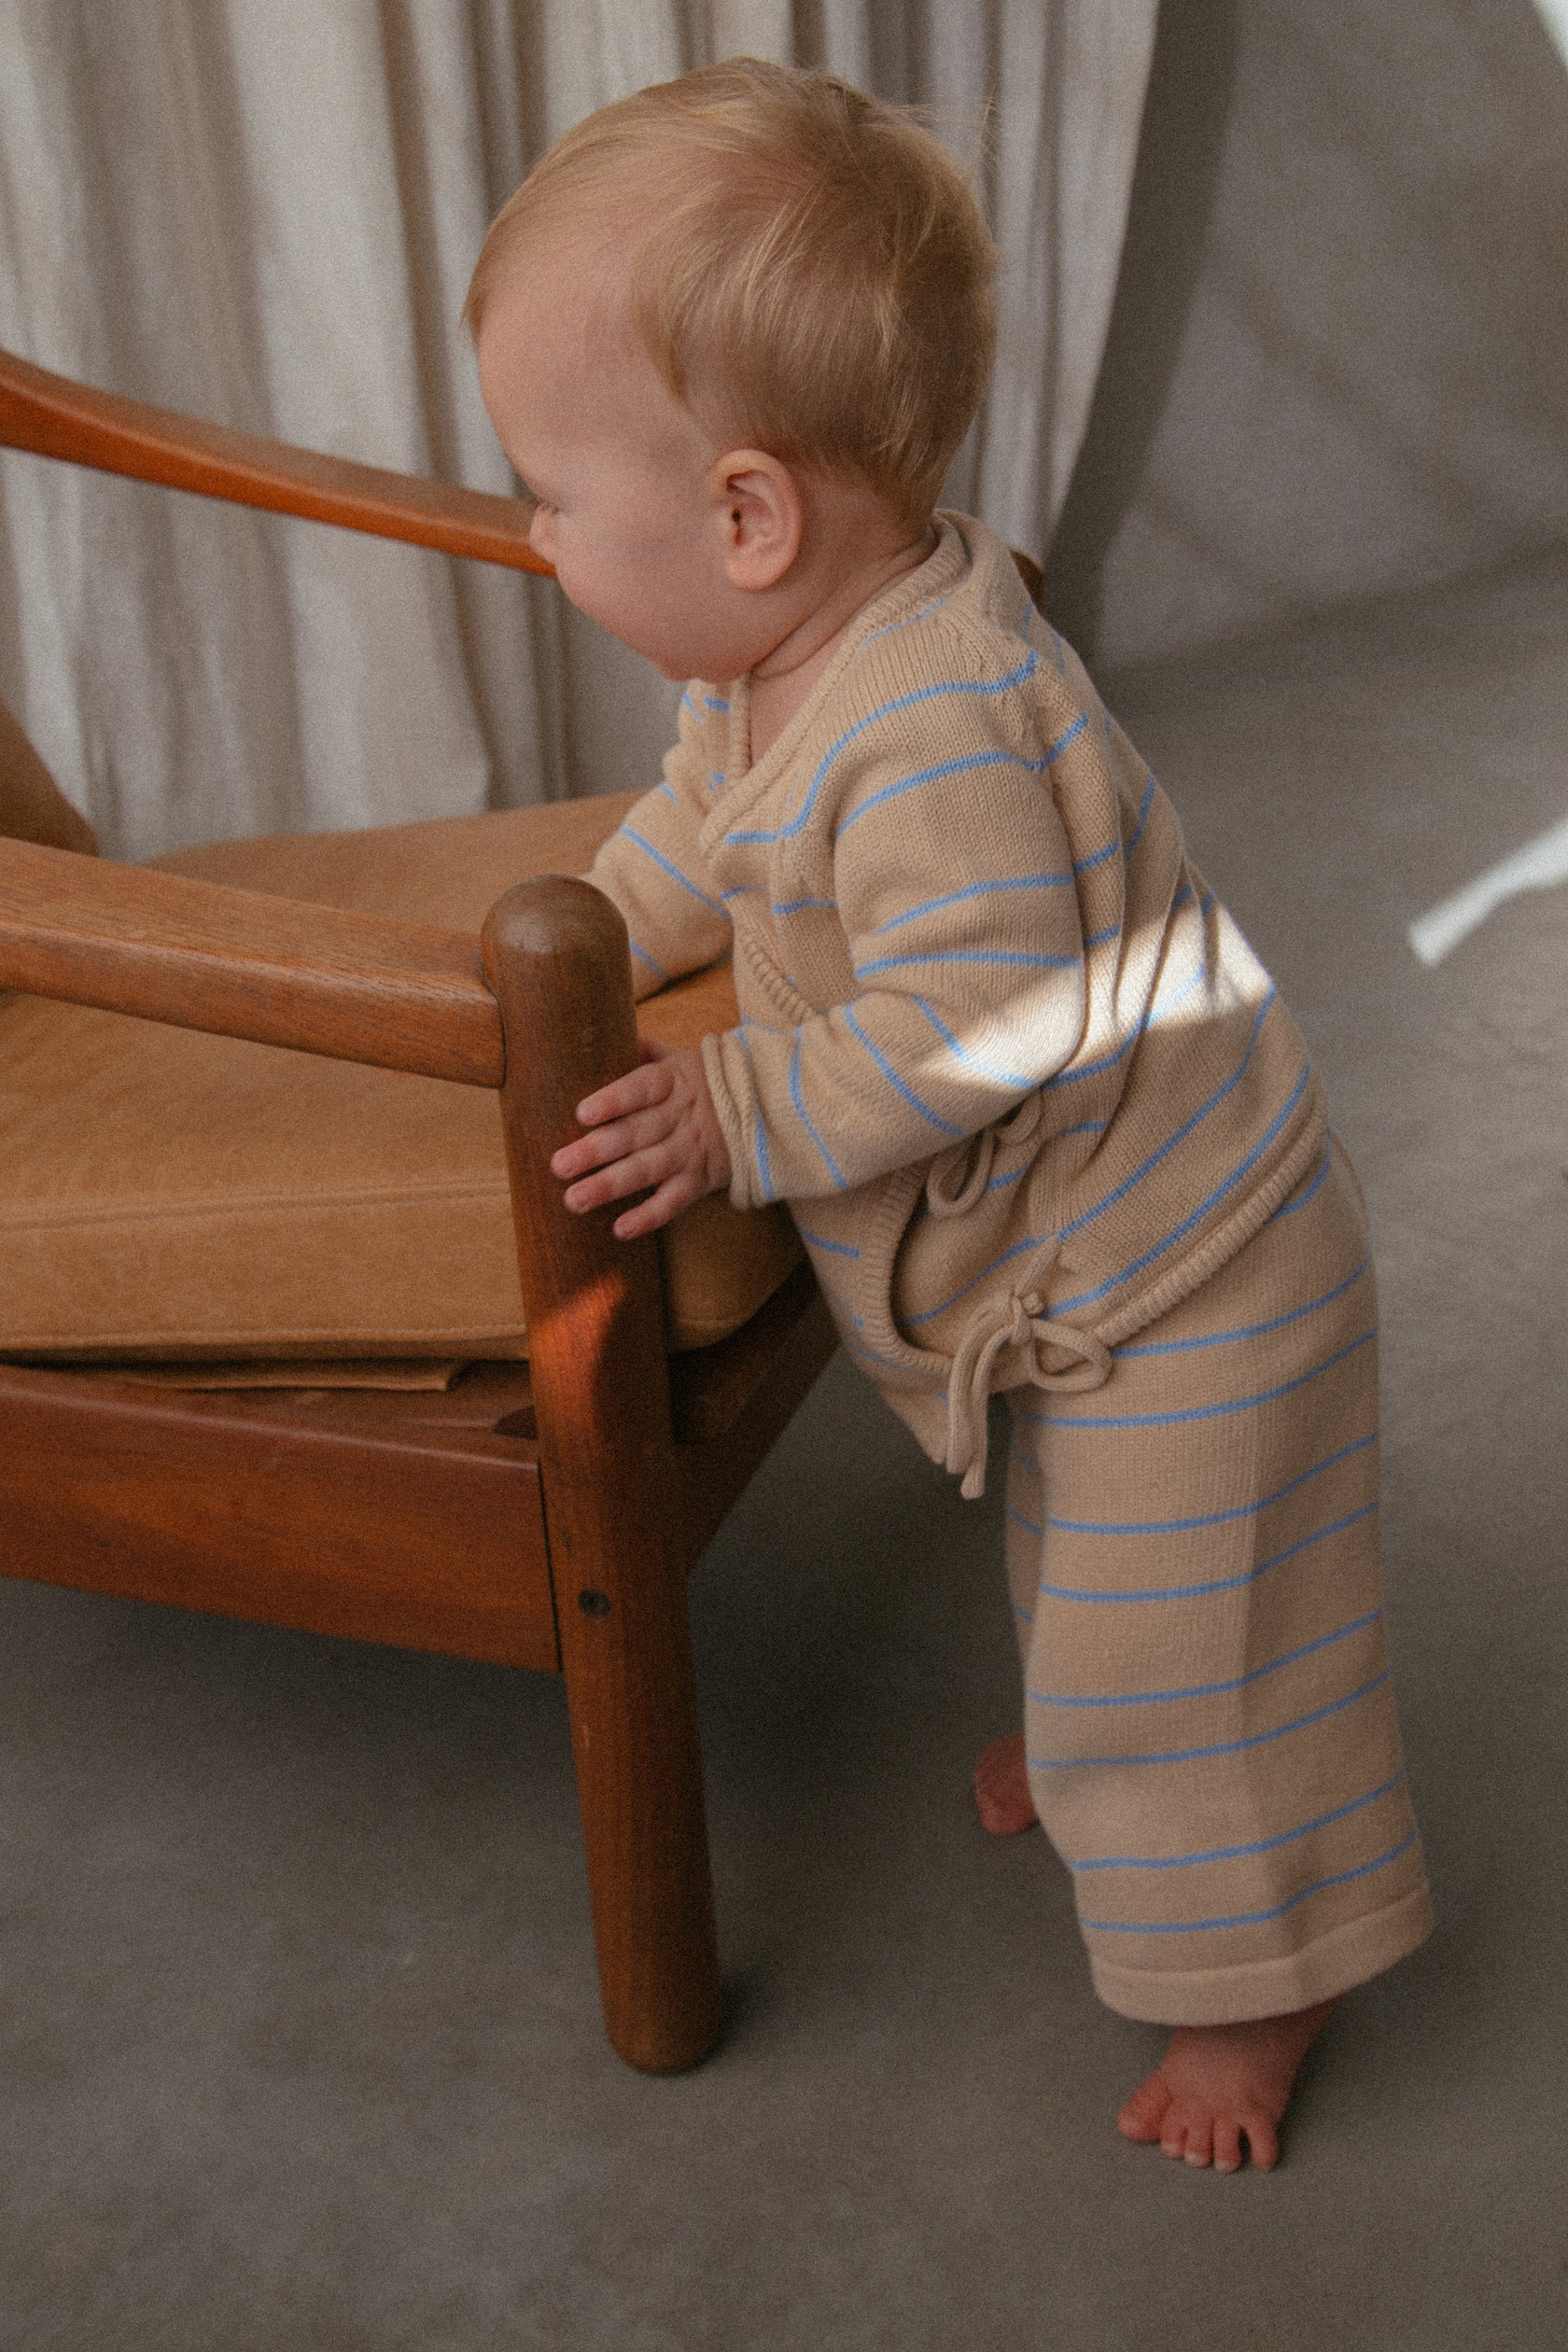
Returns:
<point x="1002" y="1794"/>
<point x="1220" y="2084"/>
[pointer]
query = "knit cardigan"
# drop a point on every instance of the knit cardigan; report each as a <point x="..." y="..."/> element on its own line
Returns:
<point x="1020" y="1078"/>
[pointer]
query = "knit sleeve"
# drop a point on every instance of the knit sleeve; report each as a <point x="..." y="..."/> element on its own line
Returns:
<point x="955" y="883"/>
<point x="654" y="870"/>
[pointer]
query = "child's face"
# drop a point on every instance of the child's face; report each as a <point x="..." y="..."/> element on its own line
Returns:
<point x="627" y="511"/>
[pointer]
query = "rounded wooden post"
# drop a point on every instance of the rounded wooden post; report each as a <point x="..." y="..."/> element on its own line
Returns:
<point x="556" y="957"/>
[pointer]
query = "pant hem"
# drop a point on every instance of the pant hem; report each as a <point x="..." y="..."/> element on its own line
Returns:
<point x="1345" y="1956"/>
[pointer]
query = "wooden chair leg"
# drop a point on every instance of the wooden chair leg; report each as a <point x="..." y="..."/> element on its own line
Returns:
<point x="556" y="955"/>
<point x="626" y="1648"/>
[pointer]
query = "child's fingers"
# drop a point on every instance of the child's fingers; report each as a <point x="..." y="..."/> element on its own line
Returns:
<point x="636" y="1171"/>
<point x="612" y="1141"/>
<point x="672" y="1196"/>
<point x="639" y="1090"/>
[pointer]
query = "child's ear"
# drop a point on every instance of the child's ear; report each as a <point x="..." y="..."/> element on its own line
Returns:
<point x="761" y="514"/>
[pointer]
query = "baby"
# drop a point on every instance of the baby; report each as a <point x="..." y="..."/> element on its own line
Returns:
<point x="1039" y="1116"/>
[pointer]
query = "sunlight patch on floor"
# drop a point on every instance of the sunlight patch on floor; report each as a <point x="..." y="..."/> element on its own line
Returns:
<point x="1539" y="865"/>
<point x="1554" y="15"/>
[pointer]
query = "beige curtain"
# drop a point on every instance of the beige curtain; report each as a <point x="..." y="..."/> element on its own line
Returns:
<point x="265" y="212"/>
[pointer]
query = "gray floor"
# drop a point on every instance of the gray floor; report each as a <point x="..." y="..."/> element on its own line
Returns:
<point x="299" y="2041"/>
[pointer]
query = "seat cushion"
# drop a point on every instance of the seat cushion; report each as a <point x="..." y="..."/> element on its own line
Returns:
<point x="172" y="1196"/>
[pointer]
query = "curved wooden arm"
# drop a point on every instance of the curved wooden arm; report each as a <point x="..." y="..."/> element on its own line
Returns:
<point x="55" y="417"/>
<point x="360" y="987"/>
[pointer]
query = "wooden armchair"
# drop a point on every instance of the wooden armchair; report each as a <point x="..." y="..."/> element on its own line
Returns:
<point x="540" y="1513"/>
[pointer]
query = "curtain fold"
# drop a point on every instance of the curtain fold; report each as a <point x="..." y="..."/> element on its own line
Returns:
<point x="265" y="212"/>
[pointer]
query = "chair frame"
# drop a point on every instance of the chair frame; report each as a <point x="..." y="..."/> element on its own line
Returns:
<point x="543" y="1515"/>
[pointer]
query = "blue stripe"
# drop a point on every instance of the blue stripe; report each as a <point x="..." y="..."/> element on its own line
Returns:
<point x="841" y="1305"/>
<point x="886" y="1066"/>
<point x="673" y="871"/>
<point x="1096" y="858"/>
<point x="1099" y="938"/>
<point x="1161" y="1008"/>
<point x="1030" y="1241"/>
<point x="921" y="612"/>
<point x="793" y="906"/>
<point x="1216" y="1689"/>
<point x="1200" y="1412"/>
<point x="975" y="889"/>
<point x="839" y="1249"/>
<point x="922" y="776"/>
<point x="1071" y="1076"/>
<point x="1215" y="1584"/>
<point x="1237" y="1853"/>
<point x="1119" y="1192"/>
<point x="1015" y="957"/>
<point x="1250" y="1919"/>
<point x="1208" y="1518"/>
<point x="1313" y="1188"/>
<point x="827" y="1160"/>
<point x="902" y="702"/>
<point x="1137" y="833"/>
<point x="1179" y="1233"/>
<point x="643" y="956"/>
<point x="972" y="1061"/>
<point x="1248" y="1331"/>
<point x="1217" y="1748"/>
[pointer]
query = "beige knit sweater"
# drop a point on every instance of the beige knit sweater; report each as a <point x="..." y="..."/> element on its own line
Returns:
<point x="1019" y="1077"/>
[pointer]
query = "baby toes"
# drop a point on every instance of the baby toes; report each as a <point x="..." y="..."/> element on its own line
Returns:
<point x="1228" y="2144"/>
<point x="1197" y="2141"/>
<point x="1141" y="2117"/>
<point x="1262" y="2139"/>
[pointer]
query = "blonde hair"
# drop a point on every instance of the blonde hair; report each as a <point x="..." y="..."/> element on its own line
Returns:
<point x="807" y="268"/>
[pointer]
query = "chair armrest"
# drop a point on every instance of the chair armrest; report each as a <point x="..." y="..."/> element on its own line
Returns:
<point x="55" y="417"/>
<point x="360" y="987"/>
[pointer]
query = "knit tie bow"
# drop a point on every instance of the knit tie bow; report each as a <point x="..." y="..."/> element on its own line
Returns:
<point x="1007" y="1319"/>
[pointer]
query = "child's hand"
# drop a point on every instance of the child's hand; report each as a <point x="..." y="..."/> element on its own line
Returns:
<point x="655" y="1127"/>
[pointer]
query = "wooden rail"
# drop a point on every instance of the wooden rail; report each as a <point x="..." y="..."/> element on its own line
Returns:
<point x="361" y="988"/>
<point x="55" y="417"/>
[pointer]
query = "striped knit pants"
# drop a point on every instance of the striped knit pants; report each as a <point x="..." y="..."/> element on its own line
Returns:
<point x="1192" y="1552"/>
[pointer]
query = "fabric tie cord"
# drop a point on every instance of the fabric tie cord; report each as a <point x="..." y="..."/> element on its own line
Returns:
<point x="959" y="1178"/>
<point x="1012" y="1320"/>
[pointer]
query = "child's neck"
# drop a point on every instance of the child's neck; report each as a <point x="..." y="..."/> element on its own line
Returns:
<point x="784" y="678"/>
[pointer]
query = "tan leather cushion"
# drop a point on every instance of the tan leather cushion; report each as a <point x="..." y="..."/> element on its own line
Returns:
<point x="169" y="1194"/>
